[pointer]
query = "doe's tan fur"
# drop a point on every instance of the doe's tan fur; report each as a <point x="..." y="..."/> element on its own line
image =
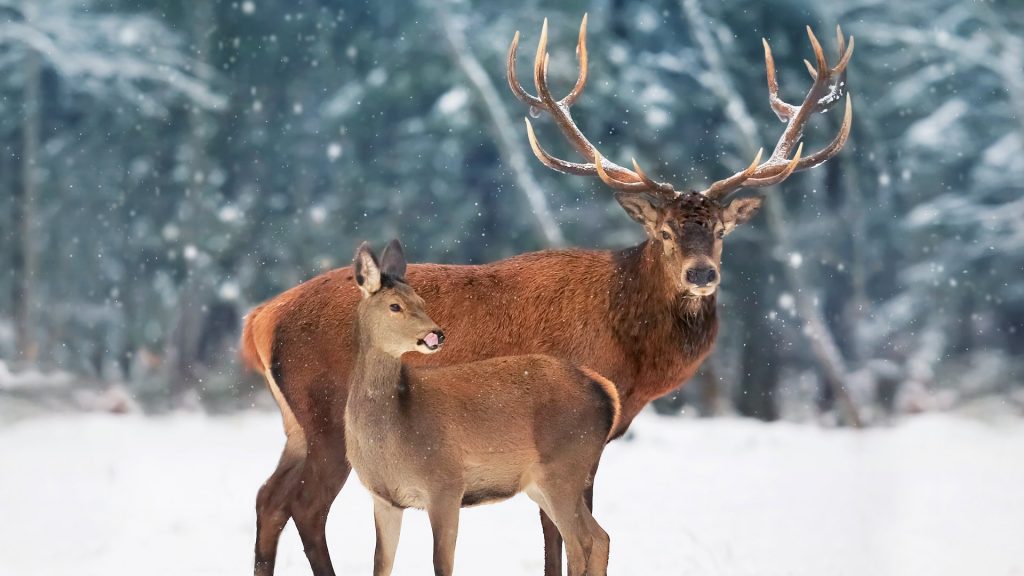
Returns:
<point x="441" y="438"/>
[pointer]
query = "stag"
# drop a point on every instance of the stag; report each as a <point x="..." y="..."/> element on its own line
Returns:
<point x="644" y="317"/>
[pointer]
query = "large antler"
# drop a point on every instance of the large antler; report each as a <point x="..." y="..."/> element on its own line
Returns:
<point x="828" y="87"/>
<point x="615" y="176"/>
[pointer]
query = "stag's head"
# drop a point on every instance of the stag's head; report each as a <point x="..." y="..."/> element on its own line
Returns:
<point x="686" y="229"/>
<point x="687" y="233"/>
<point x="392" y="317"/>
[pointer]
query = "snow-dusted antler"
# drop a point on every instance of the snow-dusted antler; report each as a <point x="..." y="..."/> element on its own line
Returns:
<point x="828" y="88"/>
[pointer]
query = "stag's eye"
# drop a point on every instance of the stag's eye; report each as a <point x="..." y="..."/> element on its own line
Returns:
<point x="396" y="308"/>
<point x="720" y="234"/>
<point x="665" y="235"/>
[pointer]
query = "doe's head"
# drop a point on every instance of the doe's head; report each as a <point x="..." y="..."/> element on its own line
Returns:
<point x="392" y="317"/>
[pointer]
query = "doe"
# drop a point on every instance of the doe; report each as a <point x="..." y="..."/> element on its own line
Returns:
<point x="442" y="438"/>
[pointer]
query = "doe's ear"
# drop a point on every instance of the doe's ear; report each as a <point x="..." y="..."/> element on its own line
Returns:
<point x="739" y="211"/>
<point x="366" y="270"/>
<point x="392" y="260"/>
<point x="640" y="208"/>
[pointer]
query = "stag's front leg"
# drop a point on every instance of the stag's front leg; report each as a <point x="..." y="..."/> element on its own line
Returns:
<point x="444" y="522"/>
<point x="388" y="520"/>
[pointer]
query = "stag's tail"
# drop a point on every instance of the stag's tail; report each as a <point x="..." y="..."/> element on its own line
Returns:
<point x="247" y="347"/>
<point x="611" y="394"/>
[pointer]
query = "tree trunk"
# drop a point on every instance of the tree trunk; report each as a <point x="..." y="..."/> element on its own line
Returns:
<point x="756" y="397"/>
<point x="183" y="344"/>
<point x="510" y="147"/>
<point x="23" y="262"/>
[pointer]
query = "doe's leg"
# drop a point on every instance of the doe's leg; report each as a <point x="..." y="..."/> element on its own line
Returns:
<point x="444" y="522"/>
<point x="388" y="520"/>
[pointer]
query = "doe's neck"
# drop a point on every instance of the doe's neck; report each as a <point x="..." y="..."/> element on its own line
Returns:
<point x="376" y="371"/>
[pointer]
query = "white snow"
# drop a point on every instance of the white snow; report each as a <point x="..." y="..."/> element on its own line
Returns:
<point x="937" y="495"/>
<point x="453" y="101"/>
<point x="334" y="151"/>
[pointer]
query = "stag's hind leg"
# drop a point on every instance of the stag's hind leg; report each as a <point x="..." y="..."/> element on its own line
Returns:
<point x="324" y="473"/>
<point x="562" y="502"/>
<point x="272" y="507"/>
<point x="597" y="563"/>
<point x="273" y="502"/>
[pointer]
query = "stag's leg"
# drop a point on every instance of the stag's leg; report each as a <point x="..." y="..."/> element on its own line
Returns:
<point x="444" y="522"/>
<point x="552" y="546"/>
<point x="597" y="563"/>
<point x="323" y="475"/>
<point x="553" y="540"/>
<point x="272" y="505"/>
<point x="388" y="520"/>
<point x="562" y="505"/>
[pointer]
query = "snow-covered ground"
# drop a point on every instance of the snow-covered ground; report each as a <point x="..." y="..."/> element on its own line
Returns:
<point x="935" y="495"/>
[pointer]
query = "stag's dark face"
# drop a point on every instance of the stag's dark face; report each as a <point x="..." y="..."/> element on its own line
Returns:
<point x="690" y="229"/>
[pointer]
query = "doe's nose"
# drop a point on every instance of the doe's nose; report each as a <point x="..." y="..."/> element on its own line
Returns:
<point x="701" y="276"/>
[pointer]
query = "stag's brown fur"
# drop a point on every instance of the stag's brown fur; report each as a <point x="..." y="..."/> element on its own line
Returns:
<point x="629" y="315"/>
<point x="645" y="317"/>
<point x="443" y="437"/>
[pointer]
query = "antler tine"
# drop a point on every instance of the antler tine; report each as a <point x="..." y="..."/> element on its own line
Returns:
<point x="550" y="161"/>
<point x="819" y="54"/>
<point x="722" y="187"/>
<point x="616" y="184"/>
<point x="836" y="144"/>
<point x="615" y="176"/>
<point x="788" y="169"/>
<point x="783" y="110"/>
<point x="651" y="184"/>
<point x="513" y="81"/>
<point x="840" y="68"/>
<point x="581" y="55"/>
<point x="829" y="85"/>
<point x="810" y="69"/>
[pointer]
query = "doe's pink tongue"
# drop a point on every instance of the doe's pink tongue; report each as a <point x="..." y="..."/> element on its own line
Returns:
<point x="431" y="339"/>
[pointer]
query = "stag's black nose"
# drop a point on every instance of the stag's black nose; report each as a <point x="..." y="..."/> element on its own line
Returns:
<point x="701" y="276"/>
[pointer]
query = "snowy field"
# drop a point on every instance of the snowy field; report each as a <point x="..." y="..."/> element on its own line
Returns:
<point x="935" y="495"/>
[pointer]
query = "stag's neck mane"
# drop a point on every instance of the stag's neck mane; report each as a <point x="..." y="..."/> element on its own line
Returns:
<point x="651" y="317"/>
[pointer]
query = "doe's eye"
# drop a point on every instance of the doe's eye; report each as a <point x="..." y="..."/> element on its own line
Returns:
<point x="665" y="235"/>
<point x="396" y="308"/>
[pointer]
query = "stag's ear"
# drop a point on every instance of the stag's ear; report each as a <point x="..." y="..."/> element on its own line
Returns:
<point x="392" y="261"/>
<point x="366" y="270"/>
<point x="739" y="211"/>
<point x="640" y="208"/>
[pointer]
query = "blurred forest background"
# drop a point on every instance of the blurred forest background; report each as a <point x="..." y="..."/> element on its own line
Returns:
<point x="166" y="165"/>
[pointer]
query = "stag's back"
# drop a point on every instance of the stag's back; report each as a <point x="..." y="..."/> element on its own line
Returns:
<point x="552" y="302"/>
